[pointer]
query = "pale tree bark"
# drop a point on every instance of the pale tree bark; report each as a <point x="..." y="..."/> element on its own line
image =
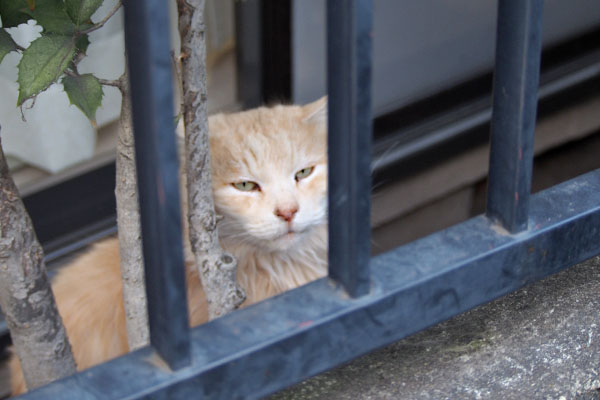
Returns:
<point x="129" y="227"/>
<point x="217" y="268"/>
<point x="26" y="299"/>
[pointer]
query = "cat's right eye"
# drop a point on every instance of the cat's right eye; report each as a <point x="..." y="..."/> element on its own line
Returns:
<point x="303" y="173"/>
<point x="246" y="186"/>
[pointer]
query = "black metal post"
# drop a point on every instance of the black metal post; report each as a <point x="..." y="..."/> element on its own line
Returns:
<point x="516" y="78"/>
<point x="349" y="26"/>
<point x="147" y="40"/>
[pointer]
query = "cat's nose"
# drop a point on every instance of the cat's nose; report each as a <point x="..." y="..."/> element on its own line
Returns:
<point x="287" y="213"/>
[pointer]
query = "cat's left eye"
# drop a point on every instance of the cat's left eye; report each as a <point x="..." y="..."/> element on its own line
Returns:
<point x="246" y="186"/>
<point x="303" y="173"/>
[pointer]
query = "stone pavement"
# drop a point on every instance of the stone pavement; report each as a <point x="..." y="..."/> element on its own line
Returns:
<point x="541" y="342"/>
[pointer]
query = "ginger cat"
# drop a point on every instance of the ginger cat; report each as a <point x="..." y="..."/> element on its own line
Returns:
<point x="269" y="177"/>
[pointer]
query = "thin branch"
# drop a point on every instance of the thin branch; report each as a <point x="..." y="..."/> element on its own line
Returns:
<point x="39" y="337"/>
<point x="118" y="83"/>
<point x="128" y="221"/>
<point x="71" y="73"/>
<point x="101" y="23"/>
<point x="216" y="267"/>
<point x="179" y="80"/>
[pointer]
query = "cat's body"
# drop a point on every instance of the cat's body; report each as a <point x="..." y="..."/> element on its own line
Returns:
<point x="269" y="183"/>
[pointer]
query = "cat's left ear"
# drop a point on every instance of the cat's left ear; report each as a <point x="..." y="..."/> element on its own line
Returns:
<point x="316" y="112"/>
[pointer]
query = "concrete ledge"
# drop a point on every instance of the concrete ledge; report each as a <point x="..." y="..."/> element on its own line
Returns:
<point x="541" y="342"/>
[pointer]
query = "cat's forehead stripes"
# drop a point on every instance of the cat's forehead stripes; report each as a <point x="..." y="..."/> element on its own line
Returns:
<point x="278" y="137"/>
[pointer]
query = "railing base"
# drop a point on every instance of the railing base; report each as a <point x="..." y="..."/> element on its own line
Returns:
<point x="308" y="330"/>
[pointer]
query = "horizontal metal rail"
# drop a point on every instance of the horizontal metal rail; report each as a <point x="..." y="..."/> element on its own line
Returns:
<point x="266" y="347"/>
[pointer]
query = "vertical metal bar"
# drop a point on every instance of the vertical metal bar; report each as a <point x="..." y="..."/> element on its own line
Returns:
<point x="349" y="29"/>
<point x="147" y="41"/>
<point x="516" y="79"/>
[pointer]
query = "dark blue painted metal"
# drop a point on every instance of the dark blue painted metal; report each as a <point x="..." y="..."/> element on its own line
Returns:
<point x="147" y="40"/>
<point x="349" y="27"/>
<point x="516" y="78"/>
<point x="265" y="347"/>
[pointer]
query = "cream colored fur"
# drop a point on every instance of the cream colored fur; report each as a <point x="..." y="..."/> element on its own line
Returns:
<point x="266" y="146"/>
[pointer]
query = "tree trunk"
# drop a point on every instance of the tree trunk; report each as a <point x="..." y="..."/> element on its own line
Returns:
<point x="217" y="268"/>
<point x="26" y="299"/>
<point x="129" y="226"/>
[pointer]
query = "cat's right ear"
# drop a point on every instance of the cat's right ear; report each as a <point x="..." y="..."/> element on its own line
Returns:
<point x="316" y="112"/>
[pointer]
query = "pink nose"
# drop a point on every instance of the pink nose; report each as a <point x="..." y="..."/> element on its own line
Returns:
<point x="286" y="214"/>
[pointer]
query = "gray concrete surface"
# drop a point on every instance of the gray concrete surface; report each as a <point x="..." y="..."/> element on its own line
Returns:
<point x="541" y="342"/>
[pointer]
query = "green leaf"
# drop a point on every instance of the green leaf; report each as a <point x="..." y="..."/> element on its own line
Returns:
<point x="81" y="11"/>
<point x="51" y="15"/>
<point x="43" y="62"/>
<point x="82" y="42"/>
<point x="85" y="92"/>
<point x="13" y="12"/>
<point x="7" y="44"/>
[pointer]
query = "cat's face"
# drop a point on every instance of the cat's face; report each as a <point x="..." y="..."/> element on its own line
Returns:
<point x="269" y="170"/>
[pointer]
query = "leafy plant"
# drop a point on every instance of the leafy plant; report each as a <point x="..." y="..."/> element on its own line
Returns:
<point x="63" y="43"/>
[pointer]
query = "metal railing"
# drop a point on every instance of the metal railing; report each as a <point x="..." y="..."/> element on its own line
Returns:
<point x="268" y="346"/>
